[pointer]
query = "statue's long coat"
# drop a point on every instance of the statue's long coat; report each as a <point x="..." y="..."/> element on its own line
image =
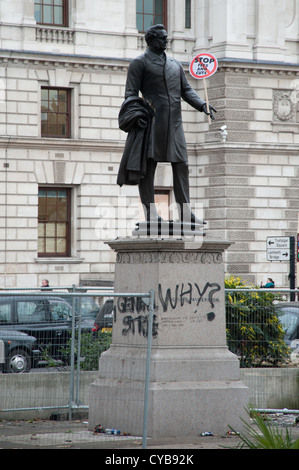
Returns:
<point x="135" y="117"/>
<point x="163" y="83"/>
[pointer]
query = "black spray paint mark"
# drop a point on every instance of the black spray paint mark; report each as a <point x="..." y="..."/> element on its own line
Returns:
<point x="213" y="291"/>
<point x="131" y="304"/>
<point x="187" y="295"/>
<point x="211" y="316"/>
<point x="142" y="325"/>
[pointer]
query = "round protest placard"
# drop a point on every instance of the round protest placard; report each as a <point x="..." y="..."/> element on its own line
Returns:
<point x="204" y="65"/>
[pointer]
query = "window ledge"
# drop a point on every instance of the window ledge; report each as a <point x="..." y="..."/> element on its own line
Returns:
<point x="291" y="127"/>
<point x="66" y="260"/>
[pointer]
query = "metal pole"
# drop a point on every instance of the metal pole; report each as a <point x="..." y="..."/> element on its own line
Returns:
<point x="292" y="267"/>
<point x="148" y="363"/>
<point x="78" y="350"/>
<point x="71" y="398"/>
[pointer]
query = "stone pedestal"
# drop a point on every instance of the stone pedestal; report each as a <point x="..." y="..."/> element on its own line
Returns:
<point x="194" y="378"/>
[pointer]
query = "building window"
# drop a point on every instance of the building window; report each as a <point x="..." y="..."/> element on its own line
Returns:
<point x="51" y="12"/>
<point x="54" y="216"/>
<point x="150" y="12"/>
<point x="55" y="112"/>
<point x="187" y="13"/>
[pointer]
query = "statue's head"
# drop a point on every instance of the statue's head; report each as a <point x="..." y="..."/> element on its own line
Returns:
<point x="156" y="38"/>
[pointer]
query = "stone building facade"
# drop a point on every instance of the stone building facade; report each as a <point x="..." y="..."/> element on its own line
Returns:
<point x="247" y="181"/>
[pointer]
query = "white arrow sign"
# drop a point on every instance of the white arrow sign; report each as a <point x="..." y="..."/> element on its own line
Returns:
<point x="278" y="242"/>
<point x="278" y="255"/>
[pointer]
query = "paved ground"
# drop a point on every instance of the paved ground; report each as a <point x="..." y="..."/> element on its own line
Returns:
<point x="47" y="434"/>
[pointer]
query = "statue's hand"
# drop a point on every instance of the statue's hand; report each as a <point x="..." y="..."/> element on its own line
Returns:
<point x="210" y="112"/>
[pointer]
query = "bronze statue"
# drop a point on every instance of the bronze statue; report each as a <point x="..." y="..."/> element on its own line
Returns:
<point x="154" y="123"/>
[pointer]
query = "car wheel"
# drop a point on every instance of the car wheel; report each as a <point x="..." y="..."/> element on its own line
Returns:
<point x="18" y="361"/>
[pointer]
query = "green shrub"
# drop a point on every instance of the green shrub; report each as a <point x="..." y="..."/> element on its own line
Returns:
<point x="91" y="348"/>
<point x="254" y="332"/>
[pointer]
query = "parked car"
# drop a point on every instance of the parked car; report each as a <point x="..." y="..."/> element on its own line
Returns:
<point x="88" y="309"/>
<point x="104" y="320"/>
<point x="288" y="314"/>
<point x="18" y="351"/>
<point x="47" y="318"/>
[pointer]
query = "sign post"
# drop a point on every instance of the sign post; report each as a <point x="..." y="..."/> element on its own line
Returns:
<point x="202" y="66"/>
<point x="292" y="275"/>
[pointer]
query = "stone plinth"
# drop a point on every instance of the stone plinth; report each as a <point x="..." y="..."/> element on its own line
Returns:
<point x="194" y="378"/>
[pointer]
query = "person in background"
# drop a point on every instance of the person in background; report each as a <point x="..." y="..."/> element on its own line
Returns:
<point x="270" y="283"/>
<point x="45" y="284"/>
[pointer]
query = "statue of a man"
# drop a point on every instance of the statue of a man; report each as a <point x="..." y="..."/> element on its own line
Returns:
<point x="162" y="83"/>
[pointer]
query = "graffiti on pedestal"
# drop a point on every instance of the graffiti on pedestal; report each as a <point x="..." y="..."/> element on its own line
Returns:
<point x="135" y="305"/>
<point x="190" y="294"/>
<point x="134" y="311"/>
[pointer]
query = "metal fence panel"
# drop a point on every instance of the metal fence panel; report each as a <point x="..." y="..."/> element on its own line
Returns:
<point x="58" y="380"/>
<point x="256" y="322"/>
<point x="259" y="324"/>
<point x="59" y="387"/>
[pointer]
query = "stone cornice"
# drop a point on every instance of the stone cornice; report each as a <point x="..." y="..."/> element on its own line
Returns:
<point x="167" y="245"/>
<point x="240" y="65"/>
<point x="254" y="147"/>
<point x="258" y="66"/>
<point x="117" y="146"/>
<point x="61" y="144"/>
<point x="8" y="56"/>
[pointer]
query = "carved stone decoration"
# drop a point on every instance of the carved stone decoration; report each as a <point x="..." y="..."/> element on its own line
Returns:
<point x="59" y="172"/>
<point x="283" y="106"/>
<point x="168" y="257"/>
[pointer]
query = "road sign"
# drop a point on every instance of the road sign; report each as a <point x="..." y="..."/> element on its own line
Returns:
<point x="278" y="255"/>
<point x="283" y="249"/>
<point x="203" y="65"/>
<point x="278" y="248"/>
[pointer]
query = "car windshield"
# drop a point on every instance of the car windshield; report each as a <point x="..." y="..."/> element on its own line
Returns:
<point x="89" y="307"/>
<point x="288" y="320"/>
<point x="60" y="310"/>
